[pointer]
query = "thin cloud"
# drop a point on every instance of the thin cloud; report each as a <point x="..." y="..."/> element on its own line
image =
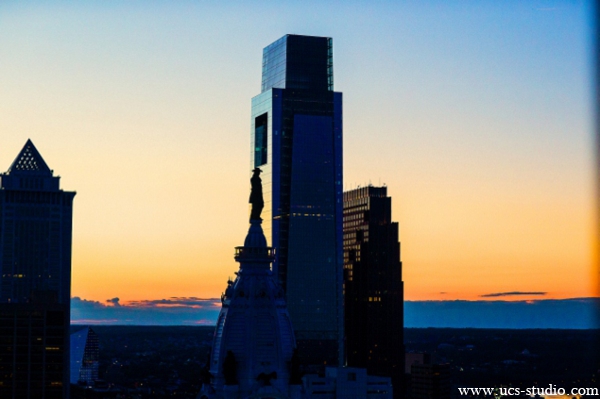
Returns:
<point x="185" y="302"/>
<point x="95" y="321"/>
<point x="513" y="293"/>
<point x="114" y="301"/>
<point x="172" y="311"/>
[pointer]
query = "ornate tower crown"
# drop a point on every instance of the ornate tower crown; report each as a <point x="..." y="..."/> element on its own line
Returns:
<point x="254" y="339"/>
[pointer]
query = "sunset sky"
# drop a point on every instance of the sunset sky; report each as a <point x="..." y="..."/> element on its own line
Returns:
<point x="476" y="115"/>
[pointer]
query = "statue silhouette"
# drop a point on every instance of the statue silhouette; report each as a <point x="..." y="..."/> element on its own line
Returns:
<point x="256" y="196"/>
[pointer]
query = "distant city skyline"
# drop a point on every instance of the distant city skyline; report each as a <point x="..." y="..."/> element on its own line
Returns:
<point x="576" y="313"/>
<point x="477" y="117"/>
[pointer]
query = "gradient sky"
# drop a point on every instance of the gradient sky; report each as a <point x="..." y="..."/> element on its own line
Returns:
<point x="476" y="114"/>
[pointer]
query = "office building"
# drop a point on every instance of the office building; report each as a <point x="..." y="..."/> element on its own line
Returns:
<point x="85" y="355"/>
<point x="296" y="140"/>
<point x="373" y="287"/>
<point x="430" y="381"/>
<point x="35" y="280"/>
<point x="346" y="383"/>
<point x="415" y="358"/>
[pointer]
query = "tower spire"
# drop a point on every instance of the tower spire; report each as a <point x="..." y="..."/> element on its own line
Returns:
<point x="29" y="161"/>
<point x="254" y="339"/>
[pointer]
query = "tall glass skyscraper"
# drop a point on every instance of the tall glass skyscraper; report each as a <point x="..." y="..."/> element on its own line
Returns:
<point x="296" y="140"/>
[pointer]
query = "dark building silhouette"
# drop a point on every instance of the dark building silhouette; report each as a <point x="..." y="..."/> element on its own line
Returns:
<point x="373" y="287"/>
<point x="296" y="141"/>
<point x="85" y="354"/>
<point x="415" y="358"/>
<point x="430" y="381"/>
<point x="35" y="280"/>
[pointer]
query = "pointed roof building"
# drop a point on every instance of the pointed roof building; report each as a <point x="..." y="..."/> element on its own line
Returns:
<point x="29" y="161"/>
<point x="29" y="172"/>
<point x="84" y="355"/>
<point x="36" y="219"/>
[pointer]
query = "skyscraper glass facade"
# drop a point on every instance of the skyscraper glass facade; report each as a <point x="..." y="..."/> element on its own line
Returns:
<point x="301" y="162"/>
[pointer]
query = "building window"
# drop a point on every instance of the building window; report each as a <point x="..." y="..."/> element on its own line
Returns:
<point x="260" y="140"/>
<point x="360" y="236"/>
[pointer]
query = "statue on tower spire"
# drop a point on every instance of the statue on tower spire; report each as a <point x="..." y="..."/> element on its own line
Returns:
<point x="256" y="196"/>
<point x="254" y="339"/>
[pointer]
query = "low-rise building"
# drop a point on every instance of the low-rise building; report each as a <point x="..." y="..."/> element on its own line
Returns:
<point x="346" y="383"/>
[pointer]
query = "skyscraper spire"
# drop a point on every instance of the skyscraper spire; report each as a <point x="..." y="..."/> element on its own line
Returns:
<point x="29" y="161"/>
